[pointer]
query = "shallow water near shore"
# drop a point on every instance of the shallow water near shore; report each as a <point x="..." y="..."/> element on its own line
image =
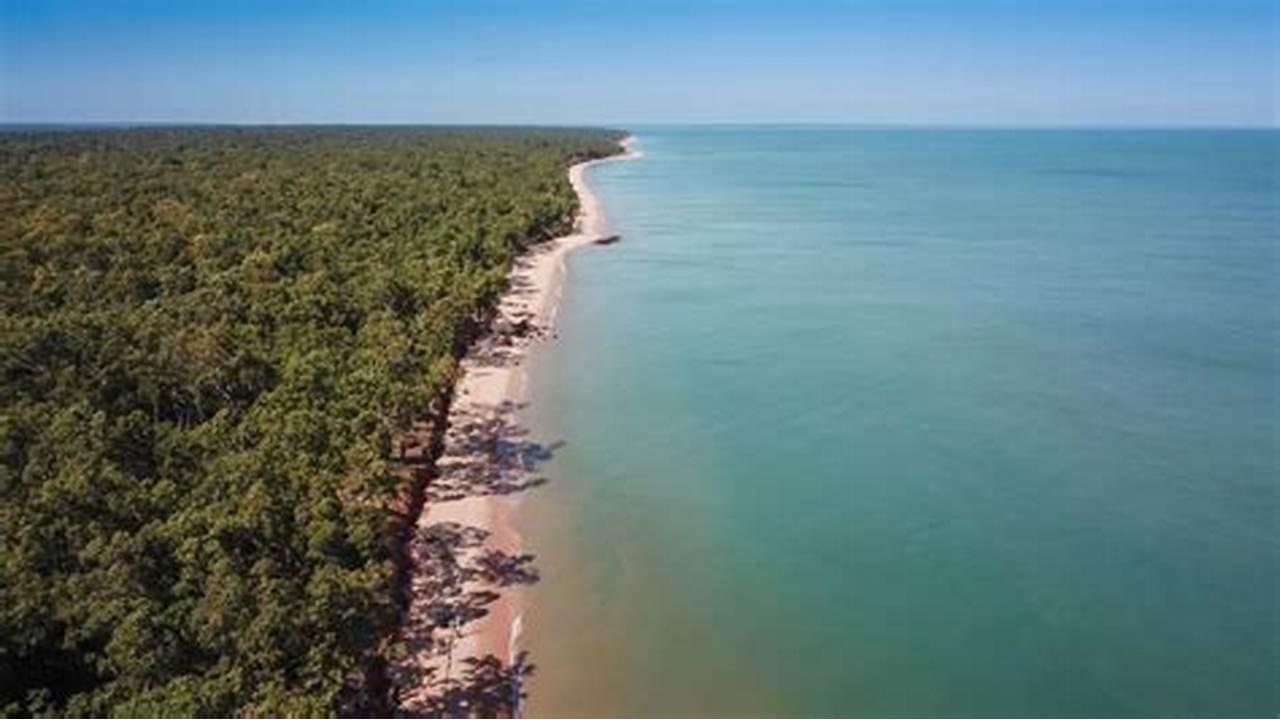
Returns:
<point x="914" y="422"/>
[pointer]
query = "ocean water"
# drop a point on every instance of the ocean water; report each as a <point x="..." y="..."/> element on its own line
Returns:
<point x="915" y="422"/>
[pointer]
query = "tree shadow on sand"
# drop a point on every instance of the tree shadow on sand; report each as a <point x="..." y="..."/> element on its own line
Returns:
<point x="485" y="688"/>
<point x="489" y="454"/>
<point x="460" y="576"/>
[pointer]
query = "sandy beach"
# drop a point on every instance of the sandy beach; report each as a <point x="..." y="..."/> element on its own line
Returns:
<point x="464" y="617"/>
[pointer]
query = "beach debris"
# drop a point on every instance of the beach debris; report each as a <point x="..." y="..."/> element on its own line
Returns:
<point x="513" y="326"/>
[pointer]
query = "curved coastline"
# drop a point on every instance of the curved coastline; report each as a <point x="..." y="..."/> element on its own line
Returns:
<point x="485" y="463"/>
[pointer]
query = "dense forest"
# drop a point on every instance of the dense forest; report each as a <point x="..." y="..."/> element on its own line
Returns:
<point x="211" y="340"/>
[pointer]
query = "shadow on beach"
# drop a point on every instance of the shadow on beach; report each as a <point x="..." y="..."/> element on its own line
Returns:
<point x="461" y="577"/>
<point x="485" y="688"/>
<point x="458" y="575"/>
<point x="489" y="454"/>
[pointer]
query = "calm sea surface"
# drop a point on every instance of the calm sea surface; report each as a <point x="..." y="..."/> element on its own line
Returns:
<point x="916" y="423"/>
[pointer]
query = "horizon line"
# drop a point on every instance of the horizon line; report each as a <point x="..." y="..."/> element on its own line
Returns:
<point x="797" y="125"/>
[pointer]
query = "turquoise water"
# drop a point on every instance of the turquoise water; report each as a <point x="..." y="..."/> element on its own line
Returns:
<point x="916" y="422"/>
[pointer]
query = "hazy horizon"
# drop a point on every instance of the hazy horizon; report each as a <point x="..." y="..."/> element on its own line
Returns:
<point x="984" y="63"/>
<point x="621" y="125"/>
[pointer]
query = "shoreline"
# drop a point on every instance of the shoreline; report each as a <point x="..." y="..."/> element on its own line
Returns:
<point x="484" y="464"/>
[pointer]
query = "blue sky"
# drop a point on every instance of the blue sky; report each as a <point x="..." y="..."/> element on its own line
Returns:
<point x="981" y="62"/>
